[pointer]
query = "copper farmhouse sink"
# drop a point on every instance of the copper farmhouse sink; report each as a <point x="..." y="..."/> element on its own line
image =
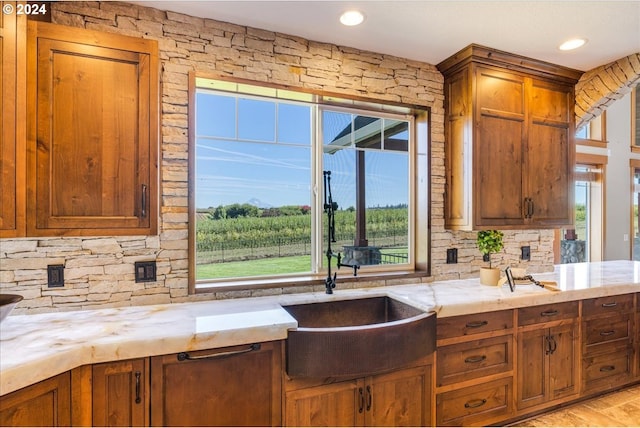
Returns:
<point x="357" y="337"/>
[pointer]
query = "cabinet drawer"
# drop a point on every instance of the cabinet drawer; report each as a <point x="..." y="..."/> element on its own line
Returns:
<point x="464" y="325"/>
<point x="603" y="372"/>
<point x="607" y="305"/>
<point x="475" y="405"/>
<point x="604" y="331"/>
<point x="546" y="313"/>
<point x="474" y="359"/>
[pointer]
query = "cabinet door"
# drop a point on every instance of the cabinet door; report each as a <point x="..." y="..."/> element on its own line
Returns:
<point x="549" y="155"/>
<point x="45" y="404"/>
<point x="335" y="404"/>
<point x="93" y="148"/>
<point x="237" y="386"/>
<point x="497" y="155"/>
<point x="12" y="28"/>
<point x="401" y="398"/>
<point x="563" y="361"/>
<point x="533" y="367"/>
<point x="120" y="393"/>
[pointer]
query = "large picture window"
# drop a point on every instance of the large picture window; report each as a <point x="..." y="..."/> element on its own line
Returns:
<point x="261" y="158"/>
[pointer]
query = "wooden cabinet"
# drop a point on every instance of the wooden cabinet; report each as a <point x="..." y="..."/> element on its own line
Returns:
<point x="236" y="386"/>
<point x="12" y="122"/>
<point x="548" y="354"/>
<point x="46" y="404"/>
<point x="607" y="342"/>
<point x="120" y="393"/>
<point x="509" y="149"/>
<point x="398" y="398"/>
<point x="92" y="134"/>
<point x="474" y="369"/>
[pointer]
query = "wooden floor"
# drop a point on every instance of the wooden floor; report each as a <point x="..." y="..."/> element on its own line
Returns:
<point x="619" y="409"/>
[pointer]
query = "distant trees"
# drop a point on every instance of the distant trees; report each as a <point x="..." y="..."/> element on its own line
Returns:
<point x="247" y="210"/>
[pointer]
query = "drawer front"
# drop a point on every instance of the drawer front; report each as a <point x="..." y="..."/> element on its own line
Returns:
<point x="547" y="313"/>
<point x="603" y="372"/>
<point x="607" y="305"/>
<point x="606" y="330"/>
<point x="464" y="325"/>
<point x="475" y="405"/>
<point x="474" y="359"/>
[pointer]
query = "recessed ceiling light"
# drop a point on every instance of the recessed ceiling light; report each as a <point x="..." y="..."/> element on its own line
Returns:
<point x="572" y="44"/>
<point x="351" y="18"/>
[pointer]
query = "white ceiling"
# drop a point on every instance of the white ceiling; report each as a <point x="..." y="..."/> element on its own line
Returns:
<point x="430" y="30"/>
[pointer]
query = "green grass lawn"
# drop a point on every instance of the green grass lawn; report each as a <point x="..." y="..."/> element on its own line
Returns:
<point x="267" y="266"/>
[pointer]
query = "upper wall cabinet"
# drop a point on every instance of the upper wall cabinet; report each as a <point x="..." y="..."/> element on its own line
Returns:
<point x="510" y="146"/>
<point x="12" y="57"/>
<point x="92" y="134"/>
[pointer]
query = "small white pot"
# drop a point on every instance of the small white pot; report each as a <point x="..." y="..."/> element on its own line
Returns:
<point x="489" y="276"/>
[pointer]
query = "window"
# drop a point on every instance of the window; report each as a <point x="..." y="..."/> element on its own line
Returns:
<point x="263" y="160"/>
<point x="635" y="204"/>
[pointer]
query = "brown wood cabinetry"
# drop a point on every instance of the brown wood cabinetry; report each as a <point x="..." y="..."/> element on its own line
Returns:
<point x="236" y="386"/>
<point x="474" y="369"/>
<point x="12" y="123"/>
<point x="548" y="354"/>
<point x="509" y="148"/>
<point x="45" y="404"/>
<point x="92" y="135"/>
<point x="120" y="393"/>
<point x="607" y="342"/>
<point x="399" y="398"/>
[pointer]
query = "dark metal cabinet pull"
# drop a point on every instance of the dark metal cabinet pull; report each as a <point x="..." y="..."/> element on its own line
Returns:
<point x="609" y="305"/>
<point x="477" y="324"/>
<point x="143" y="202"/>
<point x="550" y="313"/>
<point x="607" y="333"/>
<point x="607" y="368"/>
<point x="361" y="400"/>
<point x="369" y="397"/>
<point x="475" y="359"/>
<point x="182" y="356"/>
<point x="475" y="403"/>
<point x="138" y="399"/>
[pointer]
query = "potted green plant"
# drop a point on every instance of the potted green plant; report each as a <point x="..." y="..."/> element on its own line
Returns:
<point x="489" y="241"/>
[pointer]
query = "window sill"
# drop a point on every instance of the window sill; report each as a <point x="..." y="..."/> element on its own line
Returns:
<point x="303" y="281"/>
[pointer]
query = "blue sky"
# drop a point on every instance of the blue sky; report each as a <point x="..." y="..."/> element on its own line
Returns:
<point x="266" y="155"/>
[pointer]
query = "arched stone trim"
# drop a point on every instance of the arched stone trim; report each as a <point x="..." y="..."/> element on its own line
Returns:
<point x="600" y="87"/>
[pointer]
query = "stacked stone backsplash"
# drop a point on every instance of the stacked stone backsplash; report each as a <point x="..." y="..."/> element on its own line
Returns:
<point x="99" y="271"/>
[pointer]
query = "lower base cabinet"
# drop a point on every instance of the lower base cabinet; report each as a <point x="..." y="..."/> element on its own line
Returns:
<point x="236" y="386"/>
<point x="399" y="398"/>
<point x="44" y="404"/>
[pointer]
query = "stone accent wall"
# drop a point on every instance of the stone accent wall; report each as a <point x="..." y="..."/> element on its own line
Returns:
<point x="604" y="85"/>
<point x="99" y="271"/>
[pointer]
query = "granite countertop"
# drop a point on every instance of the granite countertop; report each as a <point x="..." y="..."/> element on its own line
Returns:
<point x="36" y="347"/>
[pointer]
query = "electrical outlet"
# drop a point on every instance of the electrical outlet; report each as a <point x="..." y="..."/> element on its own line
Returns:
<point x="452" y="256"/>
<point x="145" y="271"/>
<point x="525" y="253"/>
<point x="55" y="276"/>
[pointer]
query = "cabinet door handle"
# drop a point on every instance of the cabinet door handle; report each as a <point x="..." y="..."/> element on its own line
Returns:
<point x="475" y="359"/>
<point x="609" y="305"/>
<point x="607" y="368"/>
<point x="182" y="356"/>
<point x="361" y="400"/>
<point x="138" y="399"/>
<point x="369" y="397"/>
<point x="525" y="207"/>
<point x="607" y="333"/>
<point x="476" y="324"/>
<point x="475" y="403"/>
<point x="550" y="313"/>
<point x="143" y="202"/>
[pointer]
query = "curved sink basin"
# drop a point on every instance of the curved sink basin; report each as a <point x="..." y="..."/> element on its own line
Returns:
<point x="357" y="337"/>
<point x="7" y="303"/>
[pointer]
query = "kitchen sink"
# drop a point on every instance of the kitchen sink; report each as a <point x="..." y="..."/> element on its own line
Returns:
<point x="357" y="337"/>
